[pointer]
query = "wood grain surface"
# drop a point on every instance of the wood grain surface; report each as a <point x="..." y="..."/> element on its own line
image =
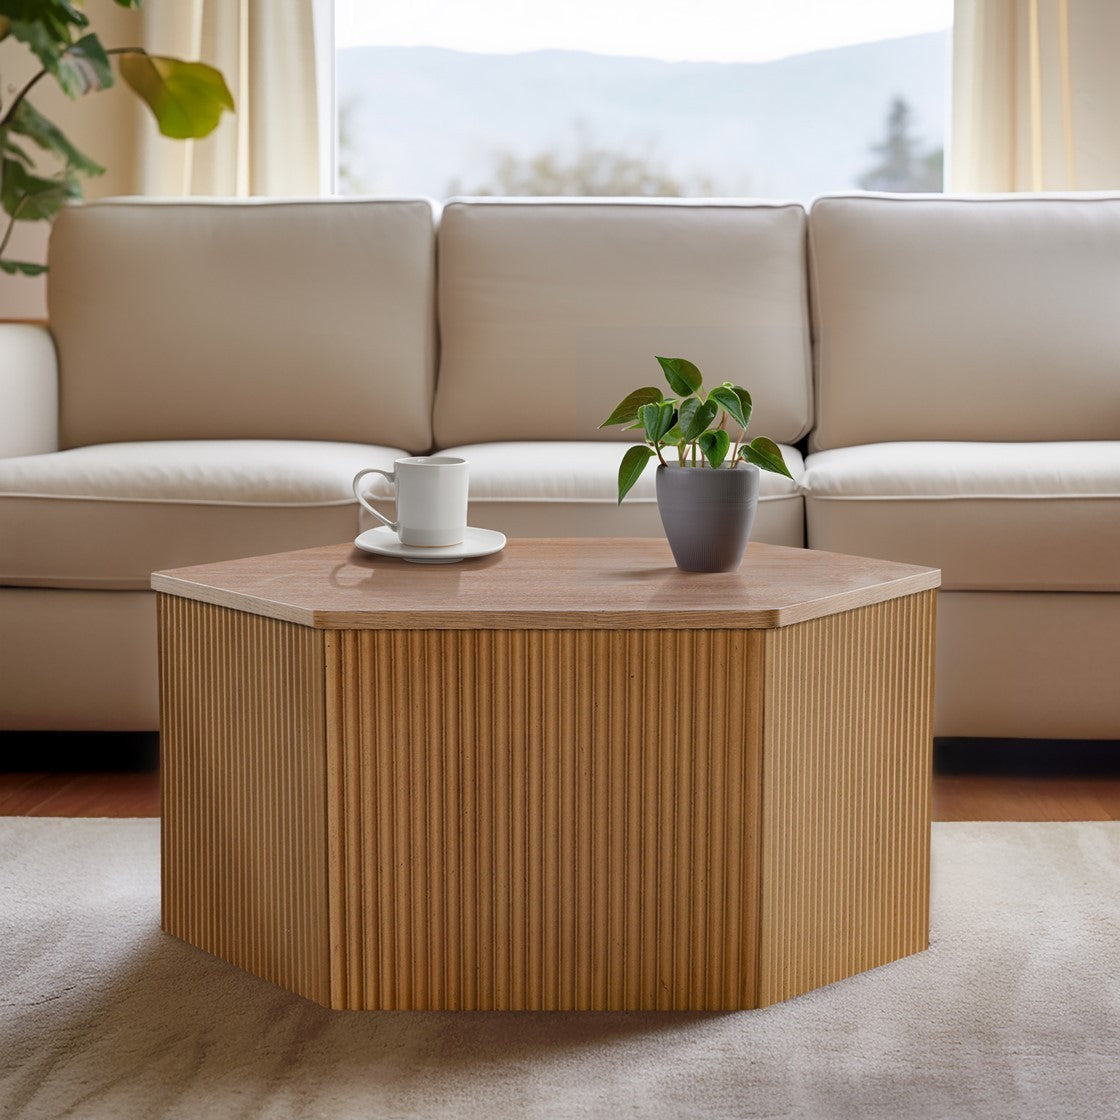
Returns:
<point x="588" y="583"/>
<point x="515" y="824"/>
<point x="548" y="819"/>
<point x="979" y="796"/>
<point x="244" y="839"/>
<point x="847" y="742"/>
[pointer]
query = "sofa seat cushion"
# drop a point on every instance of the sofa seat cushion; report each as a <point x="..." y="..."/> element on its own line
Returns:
<point x="108" y="515"/>
<point x="991" y="516"/>
<point x="570" y="489"/>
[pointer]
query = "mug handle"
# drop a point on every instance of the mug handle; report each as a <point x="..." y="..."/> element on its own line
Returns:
<point x="392" y="477"/>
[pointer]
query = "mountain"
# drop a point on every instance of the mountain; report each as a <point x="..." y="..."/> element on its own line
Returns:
<point x="431" y="121"/>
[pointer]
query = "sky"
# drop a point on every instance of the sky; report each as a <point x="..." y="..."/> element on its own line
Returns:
<point x="675" y="30"/>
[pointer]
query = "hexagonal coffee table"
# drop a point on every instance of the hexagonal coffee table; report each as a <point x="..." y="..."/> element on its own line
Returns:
<point x="568" y="776"/>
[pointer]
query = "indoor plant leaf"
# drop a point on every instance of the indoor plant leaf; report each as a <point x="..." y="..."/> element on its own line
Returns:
<point x="744" y="402"/>
<point x="766" y="454"/>
<point x="46" y="26"/>
<point x="22" y="268"/>
<point x="657" y="419"/>
<point x="627" y="410"/>
<point x="31" y="198"/>
<point x="714" y="445"/>
<point x="729" y="400"/>
<point x="683" y="377"/>
<point x="187" y="98"/>
<point x="9" y="149"/>
<point x="696" y="417"/>
<point x="633" y="463"/>
<point x="673" y="436"/>
<point x="84" y="67"/>
<point x="29" y="122"/>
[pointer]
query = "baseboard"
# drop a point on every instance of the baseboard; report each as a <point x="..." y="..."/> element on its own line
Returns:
<point x="81" y="751"/>
<point x="1026" y="756"/>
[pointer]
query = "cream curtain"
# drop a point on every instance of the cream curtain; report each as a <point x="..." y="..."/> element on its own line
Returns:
<point x="1036" y="95"/>
<point x="266" y="50"/>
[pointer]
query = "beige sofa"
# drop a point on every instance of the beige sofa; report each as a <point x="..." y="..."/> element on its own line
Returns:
<point x="215" y="373"/>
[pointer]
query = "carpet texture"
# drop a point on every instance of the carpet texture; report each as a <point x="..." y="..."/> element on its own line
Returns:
<point x="1014" y="1012"/>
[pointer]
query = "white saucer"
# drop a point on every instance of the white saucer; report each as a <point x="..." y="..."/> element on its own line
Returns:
<point x="382" y="541"/>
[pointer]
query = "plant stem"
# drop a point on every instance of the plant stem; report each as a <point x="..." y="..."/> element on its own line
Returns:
<point x="20" y="96"/>
<point x="12" y="223"/>
<point x="657" y="448"/>
<point x="43" y="73"/>
<point x="735" y="449"/>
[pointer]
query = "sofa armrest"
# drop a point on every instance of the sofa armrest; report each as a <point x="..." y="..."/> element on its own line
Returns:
<point x="28" y="390"/>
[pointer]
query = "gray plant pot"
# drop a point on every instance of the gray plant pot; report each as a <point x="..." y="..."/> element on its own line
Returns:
<point x="707" y="514"/>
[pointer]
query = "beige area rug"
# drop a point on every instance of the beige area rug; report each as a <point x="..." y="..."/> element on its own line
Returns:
<point x="1014" y="1012"/>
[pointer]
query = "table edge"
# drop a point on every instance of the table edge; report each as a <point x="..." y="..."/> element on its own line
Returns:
<point x="764" y="618"/>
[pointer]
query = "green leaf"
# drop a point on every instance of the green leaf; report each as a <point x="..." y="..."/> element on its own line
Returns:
<point x="744" y="403"/>
<point x="683" y="377"/>
<point x="31" y="199"/>
<point x="673" y="436"/>
<point x="766" y="454"/>
<point x="129" y="3"/>
<point x="727" y="399"/>
<point x="627" y="411"/>
<point x="22" y="268"/>
<point x="696" y="417"/>
<point x="715" y="446"/>
<point x="11" y="150"/>
<point x="46" y="26"/>
<point x="187" y="98"/>
<point x="29" y="122"/>
<point x="630" y="470"/>
<point x="84" y="67"/>
<point x="657" y="419"/>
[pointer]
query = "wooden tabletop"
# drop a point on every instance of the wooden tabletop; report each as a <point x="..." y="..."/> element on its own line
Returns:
<point x="592" y="583"/>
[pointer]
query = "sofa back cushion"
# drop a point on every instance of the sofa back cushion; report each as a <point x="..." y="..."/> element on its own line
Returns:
<point x="991" y="318"/>
<point x="552" y="311"/>
<point x="309" y="320"/>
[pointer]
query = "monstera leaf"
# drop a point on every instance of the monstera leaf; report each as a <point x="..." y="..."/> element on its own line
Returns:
<point x="186" y="98"/>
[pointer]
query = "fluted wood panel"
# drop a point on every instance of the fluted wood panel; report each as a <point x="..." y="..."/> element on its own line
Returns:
<point x="552" y="818"/>
<point x="244" y="801"/>
<point x="543" y="819"/>
<point x="848" y="727"/>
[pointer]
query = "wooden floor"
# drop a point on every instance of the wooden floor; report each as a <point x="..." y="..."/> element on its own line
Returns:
<point x="1002" y="796"/>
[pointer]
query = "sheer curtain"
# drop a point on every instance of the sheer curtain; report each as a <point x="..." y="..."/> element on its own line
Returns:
<point x="1036" y="95"/>
<point x="267" y="51"/>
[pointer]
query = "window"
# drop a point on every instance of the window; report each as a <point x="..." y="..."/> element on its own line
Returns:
<point x="621" y="97"/>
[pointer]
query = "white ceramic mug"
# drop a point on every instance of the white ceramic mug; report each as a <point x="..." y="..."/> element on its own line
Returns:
<point x="431" y="499"/>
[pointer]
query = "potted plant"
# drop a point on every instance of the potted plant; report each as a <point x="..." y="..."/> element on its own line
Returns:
<point x="707" y="491"/>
